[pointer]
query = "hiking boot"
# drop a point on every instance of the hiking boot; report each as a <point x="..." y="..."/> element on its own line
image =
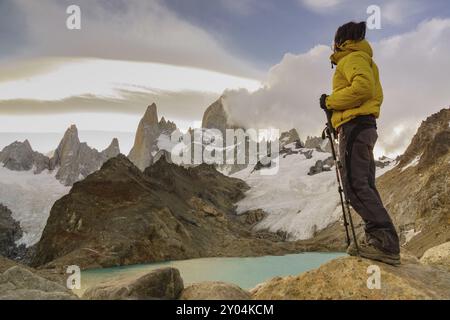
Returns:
<point x="368" y="251"/>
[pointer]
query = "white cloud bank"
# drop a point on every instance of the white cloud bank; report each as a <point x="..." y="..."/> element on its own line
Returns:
<point x="414" y="71"/>
<point x="107" y="78"/>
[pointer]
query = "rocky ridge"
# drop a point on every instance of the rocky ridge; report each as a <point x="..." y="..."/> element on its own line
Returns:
<point x="72" y="160"/>
<point x="347" y="279"/>
<point x="415" y="191"/>
<point x="75" y="160"/>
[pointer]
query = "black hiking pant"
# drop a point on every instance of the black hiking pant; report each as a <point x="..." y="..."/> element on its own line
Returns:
<point x="357" y="139"/>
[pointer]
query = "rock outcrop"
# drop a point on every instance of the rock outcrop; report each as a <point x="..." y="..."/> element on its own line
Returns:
<point x="163" y="283"/>
<point x="19" y="156"/>
<point x="120" y="215"/>
<point x="347" y="278"/>
<point x="10" y="232"/>
<point x="147" y="134"/>
<point x="321" y="166"/>
<point x="383" y="162"/>
<point x="318" y="144"/>
<point x="75" y="160"/>
<point x="18" y="283"/>
<point x="415" y="191"/>
<point x="438" y="256"/>
<point x="214" y="291"/>
<point x="289" y="137"/>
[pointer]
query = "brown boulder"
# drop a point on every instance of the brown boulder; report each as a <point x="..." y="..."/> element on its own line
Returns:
<point x="163" y="283"/>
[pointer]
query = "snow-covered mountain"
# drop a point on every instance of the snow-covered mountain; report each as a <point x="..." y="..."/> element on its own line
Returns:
<point x="295" y="203"/>
<point x="302" y="198"/>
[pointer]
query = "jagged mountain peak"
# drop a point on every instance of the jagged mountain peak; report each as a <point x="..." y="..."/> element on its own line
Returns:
<point x="114" y="166"/>
<point x="76" y="160"/>
<point x="146" y="141"/>
<point x="151" y="115"/>
<point x="112" y="150"/>
<point x="70" y="138"/>
<point x="20" y="156"/>
<point x="72" y="131"/>
<point x="216" y="117"/>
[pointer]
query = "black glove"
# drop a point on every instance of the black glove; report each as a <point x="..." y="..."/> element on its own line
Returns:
<point x="323" y="102"/>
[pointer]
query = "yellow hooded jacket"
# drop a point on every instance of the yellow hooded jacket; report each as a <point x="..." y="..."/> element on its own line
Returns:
<point x="356" y="84"/>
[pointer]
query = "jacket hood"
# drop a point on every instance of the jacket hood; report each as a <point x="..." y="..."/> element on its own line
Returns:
<point x="350" y="46"/>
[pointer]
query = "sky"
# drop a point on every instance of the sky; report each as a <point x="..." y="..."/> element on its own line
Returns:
<point x="270" y="57"/>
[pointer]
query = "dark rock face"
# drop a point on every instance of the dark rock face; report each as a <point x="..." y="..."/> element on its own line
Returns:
<point x="383" y="162"/>
<point x="252" y="217"/>
<point x="10" y="232"/>
<point x="429" y="136"/>
<point x="19" y="156"/>
<point x="120" y="215"/>
<point x="321" y="166"/>
<point x="436" y="149"/>
<point x="163" y="283"/>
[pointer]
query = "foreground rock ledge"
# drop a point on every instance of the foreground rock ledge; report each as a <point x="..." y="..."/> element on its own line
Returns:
<point x="214" y="291"/>
<point x="346" y="278"/>
<point x="438" y="257"/>
<point x="165" y="283"/>
<point x="19" y="283"/>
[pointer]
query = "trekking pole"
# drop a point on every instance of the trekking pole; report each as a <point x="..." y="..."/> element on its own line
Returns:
<point x="330" y="133"/>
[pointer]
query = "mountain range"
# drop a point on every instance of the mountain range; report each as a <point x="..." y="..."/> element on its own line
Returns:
<point x="100" y="208"/>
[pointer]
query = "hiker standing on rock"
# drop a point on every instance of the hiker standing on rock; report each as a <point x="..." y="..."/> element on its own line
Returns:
<point x="355" y="104"/>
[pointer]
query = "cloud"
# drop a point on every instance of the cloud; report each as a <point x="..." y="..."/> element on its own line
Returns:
<point x="124" y="30"/>
<point x="241" y="7"/>
<point x="393" y="13"/>
<point x="66" y="78"/>
<point x="397" y="12"/>
<point x="185" y="104"/>
<point x="321" y="6"/>
<point x="414" y="69"/>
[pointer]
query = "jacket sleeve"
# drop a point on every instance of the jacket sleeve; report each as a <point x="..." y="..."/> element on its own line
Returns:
<point x="359" y="74"/>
